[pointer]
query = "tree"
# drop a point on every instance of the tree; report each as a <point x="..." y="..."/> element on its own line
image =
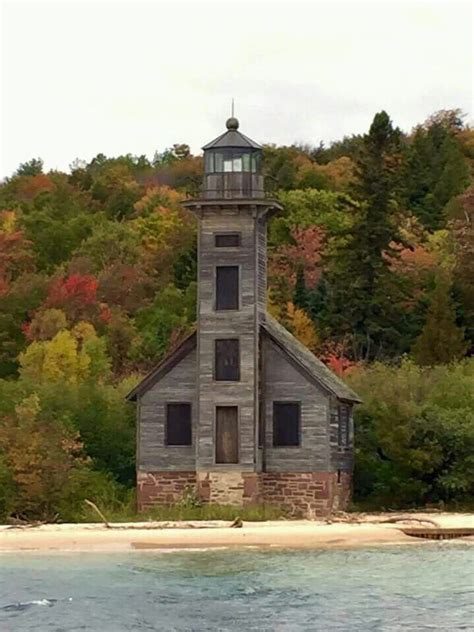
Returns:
<point x="363" y="292"/>
<point x="441" y="340"/>
<point x="436" y="169"/>
<point x="31" y="168"/>
<point x="40" y="455"/>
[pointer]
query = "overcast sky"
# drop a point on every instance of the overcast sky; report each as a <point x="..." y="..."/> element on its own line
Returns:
<point x="83" y="78"/>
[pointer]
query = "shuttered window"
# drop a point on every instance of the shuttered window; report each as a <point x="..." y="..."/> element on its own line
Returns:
<point x="343" y="435"/>
<point x="227" y="287"/>
<point x="227" y="240"/>
<point x="227" y="437"/>
<point x="286" y="424"/>
<point x="178" y="424"/>
<point x="227" y="360"/>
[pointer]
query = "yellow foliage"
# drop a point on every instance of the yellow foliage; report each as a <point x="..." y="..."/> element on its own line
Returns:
<point x="55" y="360"/>
<point x="302" y="327"/>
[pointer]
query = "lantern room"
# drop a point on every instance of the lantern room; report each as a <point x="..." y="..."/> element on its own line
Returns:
<point x="232" y="166"/>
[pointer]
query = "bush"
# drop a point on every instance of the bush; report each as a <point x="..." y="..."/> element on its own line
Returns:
<point x="414" y="434"/>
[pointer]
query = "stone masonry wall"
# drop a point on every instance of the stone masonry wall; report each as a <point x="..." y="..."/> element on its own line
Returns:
<point x="300" y="493"/>
<point x="308" y="493"/>
<point x="162" y="488"/>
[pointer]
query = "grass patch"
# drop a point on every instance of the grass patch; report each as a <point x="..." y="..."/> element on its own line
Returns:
<point x="168" y="513"/>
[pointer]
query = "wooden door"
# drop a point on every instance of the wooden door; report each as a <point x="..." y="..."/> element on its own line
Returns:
<point x="227" y="435"/>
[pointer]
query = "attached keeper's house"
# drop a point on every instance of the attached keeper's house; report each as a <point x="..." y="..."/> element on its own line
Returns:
<point x="241" y="411"/>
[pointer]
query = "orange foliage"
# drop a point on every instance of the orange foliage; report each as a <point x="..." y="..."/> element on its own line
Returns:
<point x="305" y="253"/>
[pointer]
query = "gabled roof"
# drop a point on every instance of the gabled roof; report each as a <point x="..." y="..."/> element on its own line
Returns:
<point x="293" y="348"/>
<point x="168" y="362"/>
<point x="307" y="360"/>
<point x="232" y="138"/>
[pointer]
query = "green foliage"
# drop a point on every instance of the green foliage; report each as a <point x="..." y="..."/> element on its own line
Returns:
<point x="365" y="294"/>
<point x="441" y="340"/>
<point x="414" y="434"/>
<point x="436" y="169"/>
<point x="31" y="168"/>
<point x="98" y="282"/>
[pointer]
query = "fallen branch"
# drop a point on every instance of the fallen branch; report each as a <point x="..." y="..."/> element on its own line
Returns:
<point x="96" y="509"/>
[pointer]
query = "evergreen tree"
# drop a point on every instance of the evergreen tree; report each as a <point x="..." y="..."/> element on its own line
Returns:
<point x="363" y="292"/>
<point x="441" y="340"/>
<point x="436" y="170"/>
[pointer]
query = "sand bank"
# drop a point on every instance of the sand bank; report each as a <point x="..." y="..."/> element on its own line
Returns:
<point x="368" y="531"/>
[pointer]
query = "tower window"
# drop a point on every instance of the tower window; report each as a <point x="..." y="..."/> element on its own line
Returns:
<point x="227" y="287"/>
<point x="227" y="360"/>
<point x="286" y="424"/>
<point x="227" y="240"/>
<point x="178" y="424"/>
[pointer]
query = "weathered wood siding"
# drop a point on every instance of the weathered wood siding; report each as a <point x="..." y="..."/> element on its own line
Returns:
<point x="285" y="382"/>
<point x="262" y="267"/>
<point x="241" y="324"/>
<point x="342" y="457"/>
<point x="178" y="385"/>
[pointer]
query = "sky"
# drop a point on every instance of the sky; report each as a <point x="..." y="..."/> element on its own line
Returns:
<point x="78" y="79"/>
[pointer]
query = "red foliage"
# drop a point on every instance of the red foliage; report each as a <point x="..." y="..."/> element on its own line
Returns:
<point x="15" y="257"/>
<point x="334" y="356"/>
<point x="76" y="295"/>
<point x="305" y="252"/>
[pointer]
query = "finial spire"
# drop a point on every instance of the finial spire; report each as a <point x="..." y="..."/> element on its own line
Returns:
<point x="232" y="123"/>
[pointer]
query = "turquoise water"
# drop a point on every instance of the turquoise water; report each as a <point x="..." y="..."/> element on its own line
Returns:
<point x="426" y="587"/>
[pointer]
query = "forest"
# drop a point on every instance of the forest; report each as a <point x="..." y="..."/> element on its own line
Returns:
<point x="371" y="265"/>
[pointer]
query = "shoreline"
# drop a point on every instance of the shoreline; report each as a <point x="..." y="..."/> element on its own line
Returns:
<point x="369" y="530"/>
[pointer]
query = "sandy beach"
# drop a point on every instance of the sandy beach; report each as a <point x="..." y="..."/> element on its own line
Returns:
<point x="369" y="530"/>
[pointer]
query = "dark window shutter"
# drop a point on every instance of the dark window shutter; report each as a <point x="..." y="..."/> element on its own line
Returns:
<point x="227" y="240"/>
<point x="227" y="287"/>
<point x="178" y="424"/>
<point x="227" y="437"/>
<point x="286" y="424"/>
<point x="227" y="360"/>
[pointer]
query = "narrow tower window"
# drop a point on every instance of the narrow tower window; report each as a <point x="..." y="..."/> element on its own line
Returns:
<point x="227" y="361"/>
<point x="178" y="424"/>
<point x="227" y="287"/>
<point x="286" y="424"/>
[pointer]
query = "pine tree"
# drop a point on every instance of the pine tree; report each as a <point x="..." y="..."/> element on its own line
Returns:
<point x="362" y="290"/>
<point x="436" y="170"/>
<point x="441" y="340"/>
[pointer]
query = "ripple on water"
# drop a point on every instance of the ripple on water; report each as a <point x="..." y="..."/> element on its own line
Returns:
<point x="391" y="589"/>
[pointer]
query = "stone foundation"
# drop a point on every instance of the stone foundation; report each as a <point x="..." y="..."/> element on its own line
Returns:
<point x="300" y="493"/>
<point x="307" y="493"/>
<point x="162" y="488"/>
<point x="229" y="488"/>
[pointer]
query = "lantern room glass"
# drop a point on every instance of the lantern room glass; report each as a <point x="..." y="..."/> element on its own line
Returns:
<point x="232" y="161"/>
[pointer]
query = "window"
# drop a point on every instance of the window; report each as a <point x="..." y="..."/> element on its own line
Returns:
<point x="343" y="429"/>
<point x="227" y="240"/>
<point x="227" y="287"/>
<point x="227" y="360"/>
<point x="227" y="437"/>
<point x="286" y="424"/>
<point x="178" y="424"/>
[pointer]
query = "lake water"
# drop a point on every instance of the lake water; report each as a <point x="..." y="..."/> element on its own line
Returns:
<point x="420" y="587"/>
